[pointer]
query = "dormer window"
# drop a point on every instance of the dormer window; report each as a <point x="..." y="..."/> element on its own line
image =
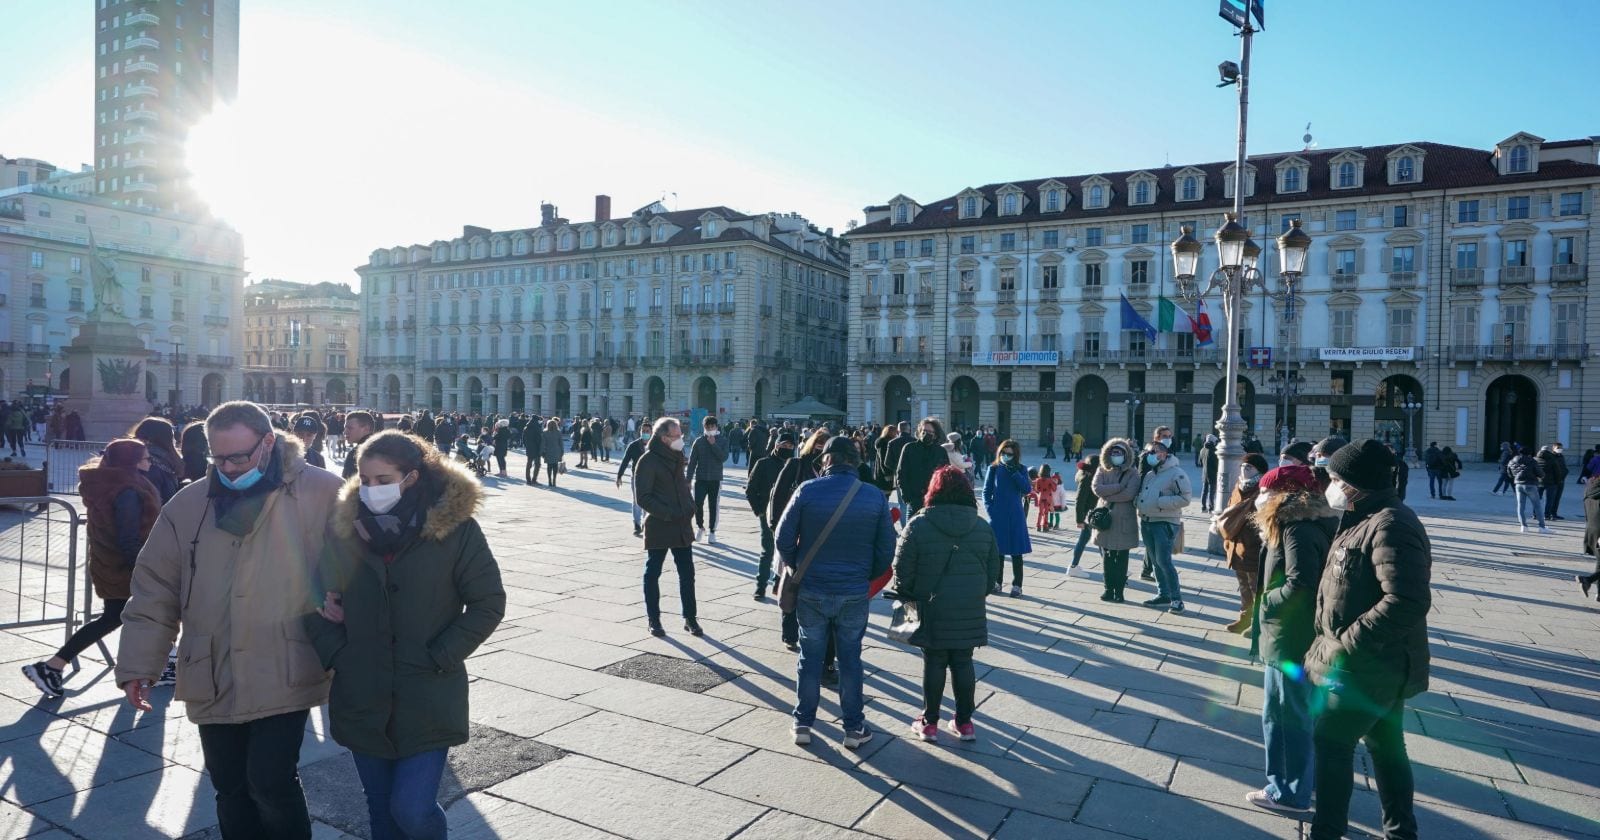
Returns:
<point x="1052" y="201"/>
<point x="969" y="207"/>
<point x="1291" y="180"/>
<point x="1405" y="169"/>
<point x="660" y="233"/>
<point x="902" y="214"/>
<point x="1191" y="188"/>
<point x="611" y="237"/>
<point x="588" y="239"/>
<point x="1097" y="196"/>
<point x="1347" y="175"/>
<point x="1519" y="158"/>
<point x="1010" y="204"/>
<point x="711" y="229"/>
<point x="566" y="241"/>
<point x="1141" y="192"/>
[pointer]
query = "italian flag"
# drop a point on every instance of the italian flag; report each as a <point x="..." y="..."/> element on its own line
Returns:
<point x="1171" y="319"/>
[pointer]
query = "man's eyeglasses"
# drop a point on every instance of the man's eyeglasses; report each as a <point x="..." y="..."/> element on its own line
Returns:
<point x="238" y="459"/>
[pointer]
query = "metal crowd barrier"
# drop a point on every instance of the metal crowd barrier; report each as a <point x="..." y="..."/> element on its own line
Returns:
<point x="62" y="460"/>
<point x="39" y="563"/>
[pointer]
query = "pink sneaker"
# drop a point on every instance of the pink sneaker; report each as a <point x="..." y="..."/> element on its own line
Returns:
<point x="964" y="731"/>
<point x="926" y="731"/>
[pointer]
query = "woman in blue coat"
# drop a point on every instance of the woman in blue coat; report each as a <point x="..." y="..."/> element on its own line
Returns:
<point x="1003" y="491"/>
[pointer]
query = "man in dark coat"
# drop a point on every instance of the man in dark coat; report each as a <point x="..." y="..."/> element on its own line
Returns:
<point x="736" y="442"/>
<point x="1553" y="461"/>
<point x="1371" y="649"/>
<point x="425" y="426"/>
<point x="916" y="463"/>
<point x="663" y="493"/>
<point x="1432" y="460"/>
<point x="358" y="426"/>
<point x="756" y="442"/>
<point x="758" y="492"/>
<point x="900" y="441"/>
<point x="532" y="441"/>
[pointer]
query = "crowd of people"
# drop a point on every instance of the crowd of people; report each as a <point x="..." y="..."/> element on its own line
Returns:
<point x="236" y="522"/>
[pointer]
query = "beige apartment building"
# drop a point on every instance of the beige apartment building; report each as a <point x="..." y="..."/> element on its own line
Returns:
<point x="661" y="311"/>
<point x="301" y="343"/>
<point x="1446" y="299"/>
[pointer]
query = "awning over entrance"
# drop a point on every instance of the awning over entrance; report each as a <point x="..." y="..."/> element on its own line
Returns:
<point x="807" y="407"/>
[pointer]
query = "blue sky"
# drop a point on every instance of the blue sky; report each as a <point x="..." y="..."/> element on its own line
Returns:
<point x="369" y="123"/>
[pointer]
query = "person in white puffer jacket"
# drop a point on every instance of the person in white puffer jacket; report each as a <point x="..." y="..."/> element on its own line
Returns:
<point x="1164" y="492"/>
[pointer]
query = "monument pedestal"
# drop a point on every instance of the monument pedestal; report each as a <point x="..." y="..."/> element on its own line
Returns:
<point x="108" y="376"/>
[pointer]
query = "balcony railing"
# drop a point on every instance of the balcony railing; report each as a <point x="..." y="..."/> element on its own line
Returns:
<point x="139" y="186"/>
<point x="143" y="42"/>
<point x="1516" y="275"/>
<point x="409" y="323"/>
<point x="144" y="17"/>
<point x="139" y="162"/>
<point x="1138" y="290"/>
<point x="712" y="360"/>
<point x="216" y="320"/>
<point x="652" y="361"/>
<point x="40" y="350"/>
<point x="908" y="358"/>
<point x="1466" y="277"/>
<point x="1568" y="273"/>
<point x="8" y="347"/>
<point x="683" y="309"/>
<point x="1402" y="279"/>
<point x="141" y="89"/>
<point x="75" y="306"/>
<point x="966" y="298"/>
<point x="772" y="361"/>
<point x="923" y="300"/>
<point x="897" y="301"/>
<point x="214" y="361"/>
<point x="141" y="67"/>
<point x="1007" y="296"/>
<point x="138" y="135"/>
<point x="725" y="308"/>
<point x="1342" y="282"/>
<point x="1049" y="295"/>
<point x="1518" y="352"/>
<point x="36" y="301"/>
<point x="1094" y="292"/>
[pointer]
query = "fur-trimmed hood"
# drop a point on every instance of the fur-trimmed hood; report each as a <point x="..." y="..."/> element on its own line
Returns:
<point x="1128" y="447"/>
<point x="458" y="501"/>
<point x="1282" y="509"/>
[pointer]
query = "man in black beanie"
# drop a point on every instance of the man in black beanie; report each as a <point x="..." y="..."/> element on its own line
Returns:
<point x="1371" y="649"/>
<point x="758" y="492"/>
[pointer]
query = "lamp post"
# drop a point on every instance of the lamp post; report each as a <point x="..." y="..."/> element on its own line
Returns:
<point x="177" y="374"/>
<point x="295" y="384"/>
<point x="1133" y="404"/>
<point x="1411" y="406"/>
<point x="1286" y="385"/>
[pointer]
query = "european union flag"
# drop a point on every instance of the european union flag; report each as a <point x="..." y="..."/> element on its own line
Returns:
<point x="1132" y="320"/>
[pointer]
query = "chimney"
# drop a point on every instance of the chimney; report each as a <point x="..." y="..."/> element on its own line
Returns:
<point x="547" y="214"/>
<point x="602" y="208"/>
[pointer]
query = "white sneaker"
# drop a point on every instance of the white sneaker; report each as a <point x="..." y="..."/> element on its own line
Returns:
<point x="700" y="535"/>
<point x="711" y="539"/>
<point x="1544" y="530"/>
<point x="1078" y="572"/>
<point x="1524" y="528"/>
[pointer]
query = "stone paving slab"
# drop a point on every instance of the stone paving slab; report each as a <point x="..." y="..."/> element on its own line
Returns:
<point x="659" y="750"/>
<point x="906" y="814"/>
<point x="483" y="817"/>
<point x="807" y="788"/>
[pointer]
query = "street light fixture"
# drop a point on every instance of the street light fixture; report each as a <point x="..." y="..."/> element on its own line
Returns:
<point x="1133" y="404"/>
<point x="1411" y="406"/>
<point x="1286" y="385"/>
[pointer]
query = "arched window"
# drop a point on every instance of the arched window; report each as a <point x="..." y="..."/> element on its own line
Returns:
<point x="588" y="239"/>
<point x="969" y="207"/>
<point x="1291" y="179"/>
<point x="1347" y="174"/>
<point x="1011" y="204"/>
<point x="1191" y="188"/>
<point x="1519" y="158"/>
<point x="566" y="241"/>
<point x="900" y="214"/>
<point x="1052" y="201"/>
<point x="1141" y="192"/>
<point x="1404" y="169"/>
<point x="1097" y="196"/>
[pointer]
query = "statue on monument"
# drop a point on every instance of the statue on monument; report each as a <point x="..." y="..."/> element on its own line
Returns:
<point x="107" y="288"/>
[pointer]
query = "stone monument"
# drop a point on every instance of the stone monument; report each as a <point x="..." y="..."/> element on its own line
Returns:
<point x="107" y="359"/>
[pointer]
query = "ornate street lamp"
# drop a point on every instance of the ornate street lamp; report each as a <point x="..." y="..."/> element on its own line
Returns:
<point x="1287" y="386"/>
<point x="1133" y="404"/>
<point x="1411" y="406"/>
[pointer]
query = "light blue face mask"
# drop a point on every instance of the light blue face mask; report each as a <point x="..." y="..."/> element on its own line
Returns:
<point x="1008" y="458"/>
<point x="243" y="482"/>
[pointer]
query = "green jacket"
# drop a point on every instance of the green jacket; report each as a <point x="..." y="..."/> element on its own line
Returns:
<point x="952" y="605"/>
<point x="400" y="680"/>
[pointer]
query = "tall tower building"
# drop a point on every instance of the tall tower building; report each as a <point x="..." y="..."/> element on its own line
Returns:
<point x="160" y="67"/>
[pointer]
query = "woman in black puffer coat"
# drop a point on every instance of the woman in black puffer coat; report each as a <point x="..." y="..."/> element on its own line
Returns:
<point x="945" y="559"/>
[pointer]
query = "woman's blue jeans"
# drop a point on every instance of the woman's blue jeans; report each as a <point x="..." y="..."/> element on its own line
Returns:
<point x="403" y="795"/>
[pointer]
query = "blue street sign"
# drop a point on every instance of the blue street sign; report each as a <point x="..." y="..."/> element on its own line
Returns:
<point x="1233" y="11"/>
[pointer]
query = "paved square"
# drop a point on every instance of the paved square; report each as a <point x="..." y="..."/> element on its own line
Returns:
<point x="1095" y="720"/>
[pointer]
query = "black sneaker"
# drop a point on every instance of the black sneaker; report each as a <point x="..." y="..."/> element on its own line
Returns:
<point x="656" y="629"/>
<point x="693" y="627"/>
<point x="1147" y="576"/>
<point x="761" y="594"/>
<point x="1158" y="601"/>
<point x="169" y="674"/>
<point x="45" y="678"/>
<point x="1177" y="607"/>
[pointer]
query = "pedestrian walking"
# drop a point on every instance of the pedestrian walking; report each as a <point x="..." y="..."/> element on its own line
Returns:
<point x="1241" y="541"/>
<point x="758" y="492"/>
<point x="630" y="460"/>
<point x="1370" y="653"/>
<point x="1206" y="459"/>
<point x="230" y="556"/>
<point x="1527" y="477"/>
<point x="411" y="589"/>
<point x="918" y="459"/>
<point x="166" y="465"/>
<point x="1505" y="482"/>
<point x="1003" y="491"/>
<point x="553" y="450"/>
<point x="1553" y="461"/>
<point x="1591" y="535"/>
<point x="122" y="506"/>
<point x="1116" y="484"/>
<point x="1163" y="494"/>
<point x="532" y="446"/>
<point x="1082" y="503"/>
<point x="834" y="539"/>
<point x="1432" y="461"/>
<point x="944" y="560"/>
<point x="1077" y="445"/>
<point x="736" y="442"/>
<point x="358" y="425"/>
<point x="1449" y="471"/>
<point x="663" y="492"/>
<point x="1049" y="444"/>
<point x="1297" y="527"/>
<point x="705" y="470"/>
<point x="502" y="445"/>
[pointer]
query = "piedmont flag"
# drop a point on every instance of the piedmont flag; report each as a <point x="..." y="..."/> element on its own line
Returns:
<point x="1171" y="319"/>
<point x="1132" y="320"/>
<point x="1202" y="325"/>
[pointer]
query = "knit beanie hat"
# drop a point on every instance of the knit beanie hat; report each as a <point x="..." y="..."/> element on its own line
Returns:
<point x="1299" y="450"/>
<point x="841" y="446"/>
<point x="1259" y="461"/>
<point x="123" y="453"/>
<point x="1291" y="479"/>
<point x="1329" y="445"/>
<point x="1368" y="465"/>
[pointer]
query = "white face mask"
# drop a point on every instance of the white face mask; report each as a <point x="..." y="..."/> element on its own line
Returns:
<point x="381" y="498"/>
<point x="1262" y="499"/>
<point x="1118" y="460"/>
<point x="711" y="433"/>
<point x="1167" y="442"/>
<point x="1337" y="498"/>
<point x="677" y="444"/>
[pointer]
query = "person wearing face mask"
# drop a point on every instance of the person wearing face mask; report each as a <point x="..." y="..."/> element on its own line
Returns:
<point x="1116" y="484"/>
<point x="630" y="458"/>
<point x="1003" y="491"/>
<point x="122" y="507"/>
<point x="1296" y="454"/>
<point x="1554" y="465"/>
<point x="411" y="589"/>
<point x="916" y="464"/>
<point x="705" y="470"/>
<point x="229" y="562"/>
<point x="1370" y="653"/>
<point x="1241" y="542"/>
<point x="758" y="492"/>
<point x="1206" y="459"/>
<point x="1322" y="452"/>
<point x="1163" y="494"/>
<point x="1298" y="526"/>
<point x="663" y="492"/>
<point x="553" y="449"/>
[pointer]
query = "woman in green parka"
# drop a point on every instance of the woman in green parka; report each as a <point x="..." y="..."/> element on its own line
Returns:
<point x="945" y="559"/>
<point x="411" y="590"/>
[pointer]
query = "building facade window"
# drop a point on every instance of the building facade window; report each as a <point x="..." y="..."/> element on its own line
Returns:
<point x="1519" y="158"/>
<point x="1344" y="220"/>
<point x="1140" y="234"/>
<point x="969" y="244"/>
<point x="1467" y="211"/>
<point x="1570" y="204"/>
<point x="1403" y="258"/>
<point x="1051" y="239"/>
<point x="969" y="207"/>
<point x="1347" y="175"/>
<point x="1342" y="327"/>
<point x="1402" y="326"/>
<point x="1516" y="251"/>
<point x="1190" y="188"/>
<point x="1141" y="192"/>
<point x="1093" y="274"/>
<point x="1402" y="216"/>
<point x="1052" y="201"/>
<point x="1466" y="255"/>
<point x="1008" y="242"/>
<point x="1097" y="196"/>
<point x="925" y="248"/>
<point x="1050" y="276"/>
<point x="1517" y="207"/>
<point x="1344" y="261"/>
<point x="1094" y="237"/>
<point x="1405" y="169"/>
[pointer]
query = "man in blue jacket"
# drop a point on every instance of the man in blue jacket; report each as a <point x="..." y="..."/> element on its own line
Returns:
<point x="833" y="587"/>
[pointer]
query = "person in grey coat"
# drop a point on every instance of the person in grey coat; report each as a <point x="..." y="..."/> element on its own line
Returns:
<point x="553" y="448"/>
<point x="1116" y="483"/>
<point x="705" y="470"/>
